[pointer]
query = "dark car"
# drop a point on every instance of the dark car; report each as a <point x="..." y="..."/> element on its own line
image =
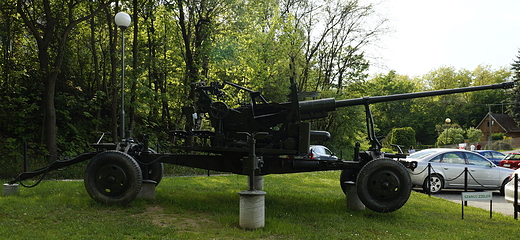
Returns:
<point x="512" y="160"/>
<point x="320" y="152"/>
<point x="493" y="156"/>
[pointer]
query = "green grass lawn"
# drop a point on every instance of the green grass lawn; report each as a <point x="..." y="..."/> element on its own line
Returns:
<point x="297" y="206"/>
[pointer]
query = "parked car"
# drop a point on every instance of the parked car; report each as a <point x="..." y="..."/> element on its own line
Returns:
<point x="492" y="155"/>
<point x="512" y="160"/>
<point x="320" y="152"/>
<point x="447" y="170"/>
<point x="509" y="190"/>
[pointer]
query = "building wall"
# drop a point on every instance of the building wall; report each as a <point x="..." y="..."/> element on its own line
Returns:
<point x="484" y="127"/>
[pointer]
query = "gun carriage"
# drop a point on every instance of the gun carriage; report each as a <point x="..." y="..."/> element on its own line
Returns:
<point x="254" y="139"/>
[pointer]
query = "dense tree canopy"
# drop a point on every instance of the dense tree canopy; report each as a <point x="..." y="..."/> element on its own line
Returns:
<point x="59" y="84"/>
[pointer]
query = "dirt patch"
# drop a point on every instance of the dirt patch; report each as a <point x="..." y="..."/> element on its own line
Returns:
<point x="157" y="216"/>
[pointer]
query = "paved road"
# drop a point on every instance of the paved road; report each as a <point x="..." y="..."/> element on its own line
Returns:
<point x="499" y="204"/>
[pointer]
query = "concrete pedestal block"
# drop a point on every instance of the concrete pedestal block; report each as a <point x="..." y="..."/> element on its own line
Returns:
<point x="147" y="190"/>
<point x="352" y="199"/>
<point x="252" y="209"/>
<point x="9" y="189"/>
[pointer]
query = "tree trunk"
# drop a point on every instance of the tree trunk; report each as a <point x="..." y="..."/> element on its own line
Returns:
<point x="45" y="37"/>
<point x="135" y="62"/>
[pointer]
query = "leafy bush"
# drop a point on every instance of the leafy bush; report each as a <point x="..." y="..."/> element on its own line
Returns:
<point x="387" y="150"/>
<point x="403" y="136"/>
<point x="498" y="136"/>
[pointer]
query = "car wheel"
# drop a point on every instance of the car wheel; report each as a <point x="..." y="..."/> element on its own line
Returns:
<point x="436" y="184"/>
<point x="383" y="185"/>
<point x="503" y="187"/>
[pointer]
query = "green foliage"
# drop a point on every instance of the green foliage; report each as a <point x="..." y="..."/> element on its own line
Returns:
<point x="474" y="134"/>
<point x="403" y="136"/>
<point x="498" y="136"/>
<point x="388" y="150"/>
<point x="258" y="44"/>
<point x="514" y="108"/>
<point x="466" y="109"/>
<point x="456" y="135"/>
<point x="451" y="136"/>
<point x="393" y="114"/>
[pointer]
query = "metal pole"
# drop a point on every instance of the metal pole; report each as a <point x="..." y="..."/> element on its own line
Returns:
<point x="252" y="159"/>
<point x="25" y="159"/>
<point x="515" y="203"/>
<point x="490" y="142"/>
<point x="447" y="134"/>
<point x="122" y="83"/>
<point x="491" y="208"/>
<point x="429" y="179"/>
<point x="465" y="183"/>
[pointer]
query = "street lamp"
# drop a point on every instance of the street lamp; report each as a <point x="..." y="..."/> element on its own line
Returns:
<point x="447" y="121"/>
<point x="122" y="20"/>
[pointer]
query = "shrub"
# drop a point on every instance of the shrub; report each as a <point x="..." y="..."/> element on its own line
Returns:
<point x="403" y="136"/>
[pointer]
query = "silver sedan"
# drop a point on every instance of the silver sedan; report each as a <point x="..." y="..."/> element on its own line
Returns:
<point x="448" y="167"/>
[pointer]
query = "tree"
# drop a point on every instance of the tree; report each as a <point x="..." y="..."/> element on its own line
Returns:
<point x="514" y="108"/>
<point x="451" y="136"/>
<point x="51" y="29"/>
<point x="403" y="136"/>
<point x="474" y="134"/>
<point x="393" y="114"/>
<point x="7" y="29"/>
<point x="467" y="109"/>
<point x="331" y="56"/>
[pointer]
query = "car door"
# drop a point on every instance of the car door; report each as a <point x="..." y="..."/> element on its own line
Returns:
<point x="482" y="173"/>
<point x="452" y="165"/>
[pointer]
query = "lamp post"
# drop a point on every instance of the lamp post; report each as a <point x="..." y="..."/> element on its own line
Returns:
<point x="490" y="142"/>
<point x="122" y="20"/>
<point x="447" y="121"/>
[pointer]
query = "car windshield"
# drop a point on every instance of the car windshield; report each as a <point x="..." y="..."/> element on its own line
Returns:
<point x="512" y="157"/>
<point x="422" y="153"/>
<point x="319" y="150"/>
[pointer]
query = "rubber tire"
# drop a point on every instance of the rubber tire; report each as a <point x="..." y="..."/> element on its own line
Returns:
<point x="503" y="187"/>
<point x="346" y="176"/>
<point x="436" y="186"/>
<point x="384" y="185"/>
<point x="106" y="170"/>
<point x="156" y="171"/>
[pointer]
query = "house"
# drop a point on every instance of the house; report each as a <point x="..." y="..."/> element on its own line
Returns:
<point x="500" y="123"/>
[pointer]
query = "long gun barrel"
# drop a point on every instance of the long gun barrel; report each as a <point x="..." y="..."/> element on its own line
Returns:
<point x="311" y="109"/>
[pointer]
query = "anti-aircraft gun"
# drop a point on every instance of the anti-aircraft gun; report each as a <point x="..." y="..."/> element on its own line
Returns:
<point x="257" y="138"/>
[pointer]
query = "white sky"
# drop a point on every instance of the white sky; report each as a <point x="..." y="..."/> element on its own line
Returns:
<point x="457" y="33"/>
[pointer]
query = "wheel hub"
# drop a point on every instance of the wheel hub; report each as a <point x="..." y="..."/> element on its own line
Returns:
<point x="384" y="185"/>
<point x="111" y="179"/>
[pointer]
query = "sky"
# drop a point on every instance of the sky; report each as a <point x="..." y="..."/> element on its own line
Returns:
<point x="426" y="35"/>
